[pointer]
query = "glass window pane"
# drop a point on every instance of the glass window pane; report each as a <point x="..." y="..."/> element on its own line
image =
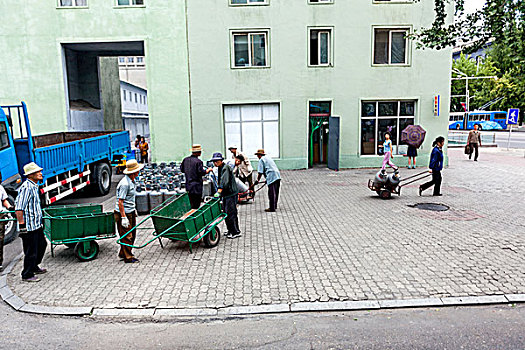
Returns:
<point x="271" y="139"/>
<point x="233" y="133"/>
<point x="398" y="47"/>
<point x="232" y="113"/>
<point x="66" y="2"/>
<point x="381" y="46"/>
<point x="384" y="126"/>
<point x="81" y="2"/>
<point x="251" y="137"/>
<point x="271" y="112"/>
<point x="239" y="1"/>
<point x="387" y="109"/>
<point x="138" y="2"/>
<point x="407" y="108"/>
<point x="241" y="50"/>
<point x="123" y="2"/>
<point x="368" y="130"/>
<point x="258" y="49"/>
<point x="324" y="47"/>
<point x="251" y="112"/>
<point x="368" y="109"/>
<point x="314" y="48"/>
<point x="318" y="108"/>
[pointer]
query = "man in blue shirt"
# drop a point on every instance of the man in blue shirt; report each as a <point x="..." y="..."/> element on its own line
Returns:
<point x="270" y="171"/>
<point x="29" y="217"/>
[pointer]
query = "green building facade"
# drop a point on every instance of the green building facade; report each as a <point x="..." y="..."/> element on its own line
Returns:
<point x="256" y="73"/>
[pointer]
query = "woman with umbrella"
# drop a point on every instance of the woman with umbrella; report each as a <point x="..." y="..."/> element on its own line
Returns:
<point x="413" y="136"/>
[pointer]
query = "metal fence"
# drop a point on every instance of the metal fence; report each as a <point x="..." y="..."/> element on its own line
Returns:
<point x="460" y="138"/>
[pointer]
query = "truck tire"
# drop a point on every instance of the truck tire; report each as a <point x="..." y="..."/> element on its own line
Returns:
<point x="102" y="179"/>
<point x="11" y="230"/>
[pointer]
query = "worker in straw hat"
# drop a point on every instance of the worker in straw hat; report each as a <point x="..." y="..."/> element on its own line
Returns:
<point x="30" y="229"/>
<point x="270" y="171"/>
<point x="193" y="170"/>
<point x="243" y="168"/>
<point x="125" y="211"/>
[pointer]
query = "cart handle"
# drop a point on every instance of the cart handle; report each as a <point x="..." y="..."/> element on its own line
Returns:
<point x="6" y="213"/>
<point x="410" y="177"/>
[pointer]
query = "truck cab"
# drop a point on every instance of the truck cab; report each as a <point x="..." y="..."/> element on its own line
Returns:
<point x="9" y="162"/>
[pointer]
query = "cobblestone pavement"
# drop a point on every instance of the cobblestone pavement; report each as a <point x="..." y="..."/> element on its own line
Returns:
<point x="331" y="239"/>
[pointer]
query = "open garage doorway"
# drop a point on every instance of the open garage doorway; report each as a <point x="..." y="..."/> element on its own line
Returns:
<point x="93" y="84"/>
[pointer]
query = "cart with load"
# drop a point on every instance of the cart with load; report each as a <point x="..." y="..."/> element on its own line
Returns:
<point x="175" y="220"/>
<point x="79" y="227"/>
<point x="387" y="184"/>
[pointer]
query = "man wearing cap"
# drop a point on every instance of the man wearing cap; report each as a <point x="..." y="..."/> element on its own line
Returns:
<point x="125" y="213"/>
<point x="227" y="189"/>
<point x="29" y="217"/>
<point x="270" y="171"/>
<point x="194" y="171"/>
<point x="244" y="168"/>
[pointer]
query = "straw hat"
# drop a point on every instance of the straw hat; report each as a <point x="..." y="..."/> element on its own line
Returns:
<point x="260" y="151"/>
<point x="196" y="148"/>
<point x="31" y="168"/>
<point x="132" y="167"/>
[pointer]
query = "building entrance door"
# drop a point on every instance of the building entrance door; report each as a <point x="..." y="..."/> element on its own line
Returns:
<point x="318" y="135"/>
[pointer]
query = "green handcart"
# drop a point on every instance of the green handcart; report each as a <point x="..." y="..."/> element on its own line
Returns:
<point x="78" y="226"/>
<point x="175" y="220"/>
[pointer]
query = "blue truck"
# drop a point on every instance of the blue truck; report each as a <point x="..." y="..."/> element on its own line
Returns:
<point x="71" y="160"/>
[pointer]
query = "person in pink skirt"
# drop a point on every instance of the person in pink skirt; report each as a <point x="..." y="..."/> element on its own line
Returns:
<point x="387" y="149"/>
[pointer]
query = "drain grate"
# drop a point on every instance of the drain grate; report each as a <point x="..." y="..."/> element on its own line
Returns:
<point x="430" y="206"/>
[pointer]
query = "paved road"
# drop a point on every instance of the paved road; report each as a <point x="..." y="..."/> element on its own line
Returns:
<point x="490" y="327"/>
<point x="517" y="139"/>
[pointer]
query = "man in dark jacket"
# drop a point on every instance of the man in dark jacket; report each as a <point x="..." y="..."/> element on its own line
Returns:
<point x="227" y="189"/>
<point x="194" y="171"/>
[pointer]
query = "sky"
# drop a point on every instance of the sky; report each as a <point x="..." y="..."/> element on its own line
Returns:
<point x="473" y="5"/>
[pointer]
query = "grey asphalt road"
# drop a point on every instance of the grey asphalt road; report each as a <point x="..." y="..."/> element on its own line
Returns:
<point x="517" y="139"/>
<point x="488" y="327"/>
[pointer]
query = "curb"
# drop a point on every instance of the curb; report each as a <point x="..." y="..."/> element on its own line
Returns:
<point x="18" y="304"/>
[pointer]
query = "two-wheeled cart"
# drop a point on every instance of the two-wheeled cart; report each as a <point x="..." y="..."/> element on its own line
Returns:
<point x="389" y="184"/>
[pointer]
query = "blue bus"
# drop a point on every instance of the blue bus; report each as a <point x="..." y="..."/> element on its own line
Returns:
<point x="484" y="119"/>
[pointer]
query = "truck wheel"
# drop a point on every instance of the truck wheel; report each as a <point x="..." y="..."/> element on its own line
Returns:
<point x="11" y="230"/>
<point x="86" y="251"/>
<point x="212" y="239"/>
<point x="102" y="179"/>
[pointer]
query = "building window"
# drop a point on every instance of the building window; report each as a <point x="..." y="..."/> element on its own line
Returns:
<point x="136" y="98"/>
<point x="250" y="49"/>
<point x="390" y="46"/>
<point x="4" y="138"/>
<point x="72" y="3"/>
<point x="253" y="126"/>
<point x="122" y="59"/>
<point x="140" y="59"/>
<point x="379" y="117"/>
<point x="320" y="1"/>
<point x="248" y="2"/>
<point x="130" y="2"/>
<point x="130" y="97"/>
<point x="131" y="59"/>
<point x="320" y="51"/>
<point x="124" y="93"/>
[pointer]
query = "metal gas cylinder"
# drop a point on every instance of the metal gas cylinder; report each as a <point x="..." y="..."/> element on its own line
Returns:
<point x="241" y="185"/>
<point x="393" y="179"/>
<point x="206" y="188"/>
<point x="155" y="199"/>
<point x="142" y="202"/>
<point x="380" y="178"/>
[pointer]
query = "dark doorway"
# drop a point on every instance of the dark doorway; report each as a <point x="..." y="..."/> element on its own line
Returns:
<point x="319" y="114"/>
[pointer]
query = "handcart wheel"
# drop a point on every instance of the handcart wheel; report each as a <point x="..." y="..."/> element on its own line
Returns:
<point x="71" y="245"/>
<point x="212" y="239"/>
<point x="385" y="194"/>
<point x="86" y="251"/>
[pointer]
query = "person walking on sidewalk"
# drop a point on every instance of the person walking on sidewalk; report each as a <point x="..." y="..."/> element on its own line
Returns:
<point x="227" y="189"/>
<point x="270" y="171"/>
<point x="144" y="148"/>
<point x="4" y="207"/>
<point x="244" y="168"/>
<point x="29" y="217"/>
<point x="436" y="165"/>
<point x="125" y="211"/>
<point x="474" y="142"/>
<point x="387" y="149"/>
<point x="193" y="170"/>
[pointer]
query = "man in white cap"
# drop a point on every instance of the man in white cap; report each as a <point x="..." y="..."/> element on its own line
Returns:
<point x="243" y="168"/>
<point x="29" y="217"/>
<point x="125" y="211"/>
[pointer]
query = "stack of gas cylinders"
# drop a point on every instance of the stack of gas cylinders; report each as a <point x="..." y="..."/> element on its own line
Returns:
<point x="388" y="181"/>
<point x="156" y="183"/>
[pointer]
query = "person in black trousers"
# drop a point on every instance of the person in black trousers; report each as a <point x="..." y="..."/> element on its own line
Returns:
<point x="228" y="190"/>
<point x="436" y="165"/>
<point x="193" y="170"/>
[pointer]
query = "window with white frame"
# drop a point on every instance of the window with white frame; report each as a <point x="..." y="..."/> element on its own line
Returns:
<point x="130" y="2"/>
<point x="72" y="3"/>
<point x="380" y="117"/>
<point x="140" y="59"/>
<point x="320" y="1"/>
<point x="124" y="93"/>
<point x="253" y="126"/>
<point x="250" y="49"/>
<point x="320" y="47"/>
<point x="391" y="46"/>
<point x="248" y="2"/>
<point x="122" y="59"/>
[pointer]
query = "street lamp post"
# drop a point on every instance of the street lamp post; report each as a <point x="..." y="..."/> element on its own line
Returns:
<point x="467" y="78"/>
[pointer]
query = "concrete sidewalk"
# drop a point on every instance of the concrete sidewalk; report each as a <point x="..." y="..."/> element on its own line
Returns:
<point x="332" y="240"/>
